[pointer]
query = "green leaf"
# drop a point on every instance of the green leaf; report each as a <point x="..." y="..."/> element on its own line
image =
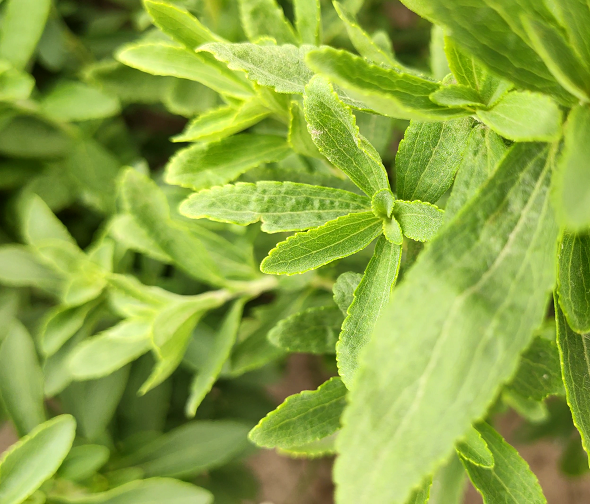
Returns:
<point x="303" y="418"/>
<point x="576" y="19"/>
<point x="83" y="462"/>
<point x="448" y="483"/>
<point x="111" y="349"/>
<point x="190" y="449"/>
<point x="314" y="330"/>
<point x="147" y="491"/>
<point x="428" y="158"/>
<point x="333" y="128"/>
<point x="572" y="192"/>
<point x="179" y="24"/>
<point x="159" y="58"/>
<point x="524" y="117"/>
<point x="457" y="95"/>
<point x="391" y="92"/>
<point x="529" y="409"/>
<point x="21" y="381"/>
<point x="574" y="275"/>
<point x="224" y="341"/>
<point x="320" y="448"/>
<point x="206" y="165"/>
<point x="125" y="229"/>
<point x="222" y="122"/>
<point x="308" y="20"/>
<point x="510" y="480"/>
<point x="344" y="288"/>
<point x="475" y="450"/>
<point x="382" y="203"/>
<point x="15" y="85"/>
<point x="422" y="494"/>
<point x="462" y="285"/>
<point x="370" y="297"/>
<point x="75" y="101"/>
<point x="22" y="26"/>
<point x="264" y="18"/>
<point x="361" y="40"/>
<point x="19" y="267"/>
<point x="419" y="221"/>
<point x="338" y="238"/>
<point x="393" y="231"/>
<point x="439" y="65"/>
<point x="574" y="357"/>
<point x="299" y="138"/>
<point x="480" y="158"/>
<point x="281" y="206"/>
<point x="39" y="223"/>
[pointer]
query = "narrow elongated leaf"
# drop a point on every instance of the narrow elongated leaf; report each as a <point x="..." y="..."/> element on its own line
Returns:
<point x="219" y="354"/>
<point x="419" y="221"/>
<point x="303" y="418"/>
<point x="573" y="178"/>
<point x="333" y="128"/>
<point x="204" y="166"/>
<point x="75" y="101"/>
<point x="19" y="267"/>
<point x="264" y="18"/>
<point x="576" y="17"/>
<point x="462" y="284"/>
<point x="21" y="381"/>
<point x="524" y="117"/>
<point x="280" y="206"/>
<point x="391" y="92"/>
<point x="169" y="60"/>
<point x="314" y="330"/>
<point x="574" y="355"/>
<point x="308" y="21"/>
<point x="475" y="450"/>
<point x="370" y="297"/>
<point x="428" y="158"/>
<point x="22" y="26"/>
<point x="319" y="246"/>
<point x="573" y="278"/>
<point x="43" y="449"/>
<point x="510" y="480"/>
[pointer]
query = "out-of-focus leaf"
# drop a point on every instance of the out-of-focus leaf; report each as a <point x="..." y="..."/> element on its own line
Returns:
<point x="83" y="461"/>
<point x="264" y="18"/>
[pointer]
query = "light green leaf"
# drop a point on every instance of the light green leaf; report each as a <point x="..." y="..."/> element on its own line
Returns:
<point x="391" y="92"/>
<point x="281" y="206"/>
<point x="125" y="229"/>
<point x="462" y="285"/>
<point x="510" y="480"/>
<point x="574" y="356"/>
<point x="457" y="95"/>
<point x="315" y="449"/>
<point x="43" y="449"/>
<point x="428" y="158"/>
<point x="32" y="137"/>
<point x="421" y="495"/>
<point x="188" y="98"/>
<point x="15" y="85"/>
<point x="377" y="129"/>
<point x="179" y="24"/>
<point x="264" y="18"/>
<point x="22" y="26"/>
<point x="40" y="224"/>
<point x="370" y="297"/>
<point x="21" y="381"/>
<point x="524" y="117"/>
<point x="83" y="461"/>
<point x="75" y="101"/>
<point x="299" y="138"/>
<point x="448" y="483"/>
<point x="308" y="20"/>
<point x="314" y="330"/>
<point x="338" y="238"/>
<point x="529" y="409"/>
<point x="439" y="65"/>
<point x="303" y="418"/>
<point x="333" y="128"/>
<point x="382" y="203"/>
<point x="160" y="58"/>
<point x="147" y="491"/>
<point x="344" y="288"/>
<point x="223" y="121"/>
<point x="224" y="341"/>
<point x="475" y="450"/>
<point x="190" y="449"/>
<point x="576" y="19"/>
<point x="110" y="350"/>
<point x="206" y="165"/>
<point x="393" y="231"/>
<point x="419" y="221"/>
<point x="572" y="192"/>
<point x="573" y="277"/>
<point x="19" y="267"/>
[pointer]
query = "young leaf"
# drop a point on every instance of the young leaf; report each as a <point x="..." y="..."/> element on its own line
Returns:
<point x="461" y="285"/>
<point x="280" y="206"/>
<point x="428" y="158"/>
<point x="574" y="357"/>
<point x="393" y="231"/>
<point x="333" y="128"/>
<point x="572" y="186"/>
<point x="219" y="354"/>
<point x="344" y="289"/>
<point x="419" y="221"/>
<point x="21" y="381"/>
<point x="573" y="277"/>
<point x="391" y="92"/>
<point x="457" y="95"/>
<point x="43" y="449"/>
<point x="370" y="297"/>
<point x="303" y="418"/>
<point x="338" y="238"/>
<point x="264" y="18"/>
<point x="524" y="117"/>
<point x="299" y="138"/>
<point x="475" y="450"/>
<point x="314" y="330"/>
<point x="510" y="480"/>
<point x="159" y="58"/>
<point x="206" y="165"/>
<point x="75" y="101"/>
<point x="308" y="21"/>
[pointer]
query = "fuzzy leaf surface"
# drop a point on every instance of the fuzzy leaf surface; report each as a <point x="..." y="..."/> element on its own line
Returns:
<point x="419" y="221"/>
